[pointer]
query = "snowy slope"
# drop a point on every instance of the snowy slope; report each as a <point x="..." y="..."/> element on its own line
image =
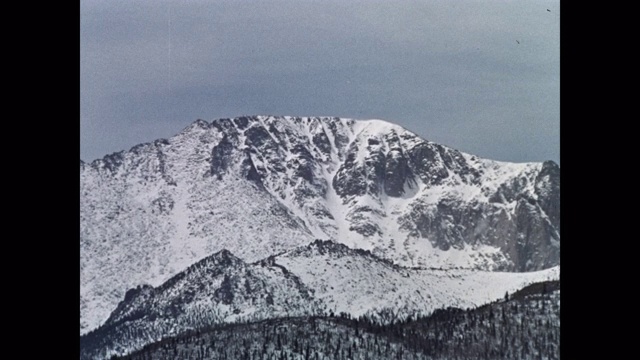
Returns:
<point x="262" y="185"/>
<point x="316" y="279"/>
<point x="357" y="282"/>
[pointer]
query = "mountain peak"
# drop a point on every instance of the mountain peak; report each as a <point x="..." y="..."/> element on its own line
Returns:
<point x="226" y="255"/>
<point x="248" y="187"/>
<point x="222" y="258"/>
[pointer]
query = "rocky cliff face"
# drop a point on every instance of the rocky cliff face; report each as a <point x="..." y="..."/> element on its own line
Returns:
<point x="262" y="185"/>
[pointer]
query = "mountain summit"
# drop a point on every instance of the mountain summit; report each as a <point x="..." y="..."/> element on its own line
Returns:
<point x="262" y="185"/>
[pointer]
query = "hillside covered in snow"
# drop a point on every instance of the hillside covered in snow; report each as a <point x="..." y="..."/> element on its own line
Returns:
<point x="265" y="186"/>
<point x="321" y="279"/>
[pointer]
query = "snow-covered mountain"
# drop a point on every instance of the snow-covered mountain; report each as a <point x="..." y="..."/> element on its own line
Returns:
<point x="524" y="327"/>
<point x="321" y="278"/>
<point x="263" y="185"/>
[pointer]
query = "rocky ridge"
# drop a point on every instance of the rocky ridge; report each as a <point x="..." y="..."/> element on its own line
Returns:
<point x="262" y="185"/>
<point x="323" y="278"/>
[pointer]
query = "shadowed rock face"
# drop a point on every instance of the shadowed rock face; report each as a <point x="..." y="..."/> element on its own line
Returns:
<point x="220" y="156"/>
<point x="397" y="171"/>
<point x="548" y="190"/>
<point x="259" y="185"/>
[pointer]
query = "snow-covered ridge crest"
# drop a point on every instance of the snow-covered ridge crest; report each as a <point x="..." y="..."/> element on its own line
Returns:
<point x="261" y="185"/>
<point x="320" y="278"/>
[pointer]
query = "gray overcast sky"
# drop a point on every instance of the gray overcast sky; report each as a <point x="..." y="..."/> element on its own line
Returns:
<point x="451" y="71"/>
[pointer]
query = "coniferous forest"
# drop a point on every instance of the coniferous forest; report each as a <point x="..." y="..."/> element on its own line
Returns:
<point x="523" y="325"/>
